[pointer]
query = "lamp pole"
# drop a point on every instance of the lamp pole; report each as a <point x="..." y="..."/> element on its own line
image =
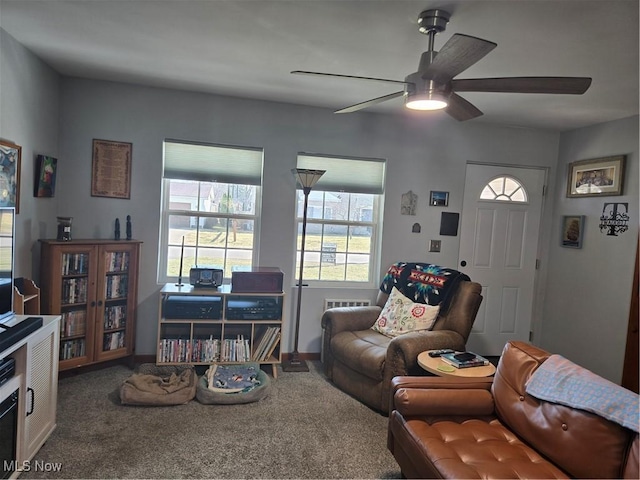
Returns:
<point x="307" y="179"/>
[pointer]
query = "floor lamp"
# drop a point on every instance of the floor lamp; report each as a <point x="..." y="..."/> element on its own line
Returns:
<point x="307" y="179"/>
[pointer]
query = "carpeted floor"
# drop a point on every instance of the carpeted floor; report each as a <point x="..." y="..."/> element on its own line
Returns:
<point x="305" y="428"/>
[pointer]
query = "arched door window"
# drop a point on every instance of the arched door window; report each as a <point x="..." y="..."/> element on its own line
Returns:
<point x="504" y="189"/>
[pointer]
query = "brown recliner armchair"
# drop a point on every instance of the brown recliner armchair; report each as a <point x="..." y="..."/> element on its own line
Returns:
<point x="362" y="362"/>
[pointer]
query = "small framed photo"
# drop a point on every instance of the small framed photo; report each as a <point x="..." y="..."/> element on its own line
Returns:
<point x="45" y="181"/>
<point x="572" y="231"/>
<point x="596" y="177"/>
<point x="10" y="156"/>
<point x="439" y="199"/>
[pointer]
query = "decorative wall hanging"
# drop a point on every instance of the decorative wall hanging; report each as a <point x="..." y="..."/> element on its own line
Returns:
<point x="614" y="218"/>
<point x="45" y="178"/>
<point x="572" y="231"/>
<point x="596" y="177"/>
<point x="416" y="228"/>
<point x="111" y="169"/>
<point x="439" y="199"/>
<point x="10" y="156"/>
<point x="408" y="203"/>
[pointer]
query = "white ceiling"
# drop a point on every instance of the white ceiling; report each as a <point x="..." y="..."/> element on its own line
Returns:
<point x="248" y="48"/>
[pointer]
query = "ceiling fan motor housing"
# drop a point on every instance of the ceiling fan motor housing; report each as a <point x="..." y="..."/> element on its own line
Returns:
<point x="434" y="20"/>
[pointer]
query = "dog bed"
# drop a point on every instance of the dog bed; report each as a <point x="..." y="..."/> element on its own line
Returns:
<point x="232" y="384"/>
<point x="154" y="384"/>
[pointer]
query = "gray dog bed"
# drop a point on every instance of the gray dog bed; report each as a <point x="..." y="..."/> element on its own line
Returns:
<point x="152" y="384"/>
<point x="231" y="384"/>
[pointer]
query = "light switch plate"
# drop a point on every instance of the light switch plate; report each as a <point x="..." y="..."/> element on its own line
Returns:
<point x="434" y="245"/>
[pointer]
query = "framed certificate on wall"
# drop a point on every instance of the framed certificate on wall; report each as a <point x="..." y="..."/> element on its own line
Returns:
<point x="111" y="169"/>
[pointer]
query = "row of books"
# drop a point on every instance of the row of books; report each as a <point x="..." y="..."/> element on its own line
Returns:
<point x="73" y="323"/>
<point x="115" y="316"/>
<point x="267" y="344"/>
<point x="72" y="349"/>
<point x="74" y="290"/>
<point x="116" y="286"/>
<point x="75" y="263"/>
<point x="455" y="360"/>
<point x="179" y="350"/>
<point x="117" y="261"/>
<point x="113" y="341"/>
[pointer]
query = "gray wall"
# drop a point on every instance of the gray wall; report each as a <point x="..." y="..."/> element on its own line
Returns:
<point x="423" y="154"/>
<point x="29" y="117"/>
<point x="589" y="289"/>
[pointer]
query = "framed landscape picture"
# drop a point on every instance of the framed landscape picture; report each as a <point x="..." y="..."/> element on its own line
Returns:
<point x="10" y="156"/>
<point x="572" y="231"/>
<point x="45" y="181"/>
<point x="596" y="177"/>
<point x="439" y="199"/>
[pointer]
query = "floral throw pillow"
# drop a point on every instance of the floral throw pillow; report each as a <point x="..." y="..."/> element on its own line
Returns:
<point x="400" y="315"/>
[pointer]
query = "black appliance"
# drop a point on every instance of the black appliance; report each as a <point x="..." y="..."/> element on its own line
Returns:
<point x="183" y="307"/>
<point x="254" y="308"/>
<point x="8" y="434"/>
<point x="7" y="370"/>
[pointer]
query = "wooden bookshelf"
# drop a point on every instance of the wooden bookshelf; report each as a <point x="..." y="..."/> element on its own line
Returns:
<point x="92" y="285"/>
<point x="215" y="325"/>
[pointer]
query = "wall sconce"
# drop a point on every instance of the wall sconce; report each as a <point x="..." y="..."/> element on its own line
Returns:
<point x="613" y="220"/>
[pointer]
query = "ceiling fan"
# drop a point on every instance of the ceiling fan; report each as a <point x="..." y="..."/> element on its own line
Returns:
<point x="433" y="86"/>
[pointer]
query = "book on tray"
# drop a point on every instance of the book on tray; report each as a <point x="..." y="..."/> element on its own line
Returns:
<point x="459" y="360"/>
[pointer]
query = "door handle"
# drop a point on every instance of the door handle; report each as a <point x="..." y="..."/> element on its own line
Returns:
<point x="31" y="392"/>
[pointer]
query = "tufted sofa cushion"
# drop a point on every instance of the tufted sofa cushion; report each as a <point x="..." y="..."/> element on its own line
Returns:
<point x="471" y="449"/>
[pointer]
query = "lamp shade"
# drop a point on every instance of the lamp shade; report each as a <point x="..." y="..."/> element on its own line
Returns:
<point x="429" y="100"/>
<point x="306" y="177"/>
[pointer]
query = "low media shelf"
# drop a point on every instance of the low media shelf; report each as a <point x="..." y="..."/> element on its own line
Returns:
<point x="201" y="326"/>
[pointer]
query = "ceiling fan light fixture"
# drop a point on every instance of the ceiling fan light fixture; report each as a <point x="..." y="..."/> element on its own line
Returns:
<point x="426" y="101"/>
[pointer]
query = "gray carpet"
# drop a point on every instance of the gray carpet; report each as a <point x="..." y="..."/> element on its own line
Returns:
<point x="305" y="428"/>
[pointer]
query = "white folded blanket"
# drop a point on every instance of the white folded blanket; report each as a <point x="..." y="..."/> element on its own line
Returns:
<point x="561" y="381"/>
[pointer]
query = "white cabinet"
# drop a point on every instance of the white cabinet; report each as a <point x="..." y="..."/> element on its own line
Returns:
<point x="42" y="388"/>
<point x="36" y="376"/>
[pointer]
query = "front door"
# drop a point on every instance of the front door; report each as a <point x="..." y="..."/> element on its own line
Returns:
<point x="499" y="232"/>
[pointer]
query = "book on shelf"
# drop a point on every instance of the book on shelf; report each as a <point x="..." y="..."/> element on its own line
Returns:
<point x="476" y="361"/>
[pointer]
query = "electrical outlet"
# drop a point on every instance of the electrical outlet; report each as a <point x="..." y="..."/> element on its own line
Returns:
<point x="434" y="245"/>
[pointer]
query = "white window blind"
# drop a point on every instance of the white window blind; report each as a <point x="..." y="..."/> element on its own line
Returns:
<point x="212" y="163"/>
<point x="346" y="174"/>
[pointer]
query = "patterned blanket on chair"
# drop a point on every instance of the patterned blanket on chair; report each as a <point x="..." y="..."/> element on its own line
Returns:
<point x="423" y="282"/>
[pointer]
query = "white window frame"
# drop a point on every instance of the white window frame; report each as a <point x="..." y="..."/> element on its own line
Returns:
<point x="371" y="180"/>
<point x="166" y="212"/>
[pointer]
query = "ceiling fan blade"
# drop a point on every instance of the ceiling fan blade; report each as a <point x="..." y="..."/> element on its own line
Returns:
<point x="561" y="85"/>
<point x="460" y="109"/>
<point x="458" y="54"/>
<point x="369" y="103"/>
<point x="321" y="74"/>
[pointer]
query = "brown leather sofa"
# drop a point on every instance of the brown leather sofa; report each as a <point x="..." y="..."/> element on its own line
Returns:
<point x="362" y="362"/>
<point x="448" y="427"/>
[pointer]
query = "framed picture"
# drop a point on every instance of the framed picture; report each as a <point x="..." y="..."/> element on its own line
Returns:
<point x="572" y="231"/>
<point x="10" y="156"/>
<point x="596" y="177"/>
<point x="439" y="199"/>
<point x="111" y="169"/>
<point x="45" y="181"/>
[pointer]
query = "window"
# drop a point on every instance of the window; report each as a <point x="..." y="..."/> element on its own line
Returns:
<point x="504" y="189"/>
<point x="210" y="200"/>
<point x="343" y="219"/>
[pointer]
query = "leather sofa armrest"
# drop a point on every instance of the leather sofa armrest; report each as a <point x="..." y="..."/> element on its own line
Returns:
<point x="340" y="319"/>
<point x="465" y="402"/>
